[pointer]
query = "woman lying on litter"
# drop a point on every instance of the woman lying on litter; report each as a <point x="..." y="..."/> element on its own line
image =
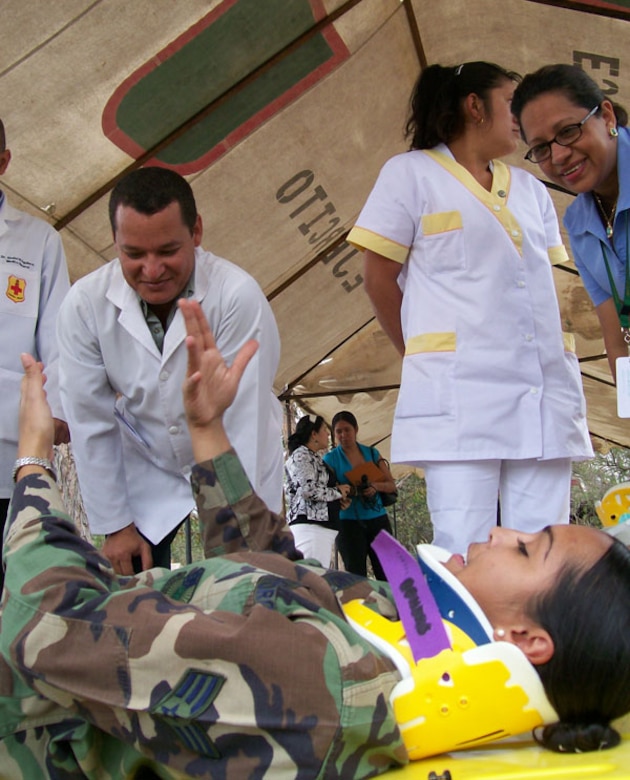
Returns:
<point x="245" y="665"/>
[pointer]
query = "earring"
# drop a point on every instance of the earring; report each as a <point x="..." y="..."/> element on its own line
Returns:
<point x="500" y="633"/>
<point x="613" y="132"/>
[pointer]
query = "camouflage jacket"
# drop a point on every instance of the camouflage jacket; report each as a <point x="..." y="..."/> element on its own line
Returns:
<point x="239" y="666"/>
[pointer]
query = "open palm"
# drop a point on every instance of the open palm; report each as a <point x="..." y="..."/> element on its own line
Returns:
<point x="210" y="385"/>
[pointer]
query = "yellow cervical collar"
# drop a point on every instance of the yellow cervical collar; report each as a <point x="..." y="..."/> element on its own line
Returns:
<point x="463" y="696"/>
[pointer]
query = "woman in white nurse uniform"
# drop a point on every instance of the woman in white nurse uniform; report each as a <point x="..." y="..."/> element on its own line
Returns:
<point x="458" y="259"/>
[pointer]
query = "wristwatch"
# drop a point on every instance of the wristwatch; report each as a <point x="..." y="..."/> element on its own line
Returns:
<point x="30" y="461"/>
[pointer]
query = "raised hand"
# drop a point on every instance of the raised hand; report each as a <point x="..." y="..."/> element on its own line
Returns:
<point x="210" y="385"/>
<point x="35" y="419"/>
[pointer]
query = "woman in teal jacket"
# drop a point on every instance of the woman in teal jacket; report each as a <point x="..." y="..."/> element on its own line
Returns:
<point x="366" y="515"/>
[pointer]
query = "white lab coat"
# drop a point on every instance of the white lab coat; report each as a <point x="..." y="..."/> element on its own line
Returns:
<point x="33" y="282"/>
<point x="487" y="373"/>
<point x="123" y="398"/>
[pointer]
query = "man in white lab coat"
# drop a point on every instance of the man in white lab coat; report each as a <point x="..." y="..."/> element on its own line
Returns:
<point x="123" y="361"/>
<point x="33" y="280"/>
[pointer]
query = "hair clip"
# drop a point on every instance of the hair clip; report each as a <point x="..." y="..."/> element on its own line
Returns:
<point x="458" y="69"/>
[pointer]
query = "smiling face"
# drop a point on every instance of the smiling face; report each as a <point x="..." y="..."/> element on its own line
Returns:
<point x="156" y="251"/>
<point x="511" y="568"/>
<point x="588" y="164"/>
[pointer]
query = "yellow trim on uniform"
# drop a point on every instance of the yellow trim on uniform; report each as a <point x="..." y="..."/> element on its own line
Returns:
<point x="431" y="342"/>
<point x="366" y="239"/>
<point x="569" y="342"/>
<point x="447" y="342"/>
<point x="493" y="201"/>
<point x="441" y="222"/>
<point x="558" y="254"/>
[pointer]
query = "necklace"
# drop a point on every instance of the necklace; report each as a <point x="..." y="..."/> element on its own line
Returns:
<point x="608" y="218"/>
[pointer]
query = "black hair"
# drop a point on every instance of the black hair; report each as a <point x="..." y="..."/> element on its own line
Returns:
<point x="3" y="137"/>
<point x="571" y="81"/>
<point x="436" y="114"/>
<point x="303" y="430"/>
<point x="587" y="680"/>
<point x="150" y="190"/>
<point x="345" y="416"/>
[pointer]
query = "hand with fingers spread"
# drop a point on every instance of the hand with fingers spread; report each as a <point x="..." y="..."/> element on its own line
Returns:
<point x="210" y="385"/>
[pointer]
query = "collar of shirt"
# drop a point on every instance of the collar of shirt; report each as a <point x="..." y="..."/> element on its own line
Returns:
<point x="153" y="322"/>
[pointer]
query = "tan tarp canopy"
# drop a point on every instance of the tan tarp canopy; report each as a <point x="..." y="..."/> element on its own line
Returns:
<point x="280" y="112"/>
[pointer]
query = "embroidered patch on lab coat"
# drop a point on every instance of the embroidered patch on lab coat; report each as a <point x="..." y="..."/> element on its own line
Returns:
<point x="16" y="289"/>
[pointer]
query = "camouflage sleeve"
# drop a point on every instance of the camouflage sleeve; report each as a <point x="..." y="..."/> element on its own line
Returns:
<point x="232" y="517"/>
<point x="240" y="665"/>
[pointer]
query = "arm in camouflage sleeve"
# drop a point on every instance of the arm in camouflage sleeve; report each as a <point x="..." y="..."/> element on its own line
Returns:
<point x="232" y="517"/>
<point x="198" y="689"/>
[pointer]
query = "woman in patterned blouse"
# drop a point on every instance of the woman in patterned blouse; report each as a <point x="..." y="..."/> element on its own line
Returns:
<point x="313" y="494"/>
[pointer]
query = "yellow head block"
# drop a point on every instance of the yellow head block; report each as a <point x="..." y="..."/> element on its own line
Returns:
<point x="614" y="504"/>
<point x="461" y="700"/>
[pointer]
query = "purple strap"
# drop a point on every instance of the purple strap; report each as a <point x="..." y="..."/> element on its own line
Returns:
<point x="416" y="606"/>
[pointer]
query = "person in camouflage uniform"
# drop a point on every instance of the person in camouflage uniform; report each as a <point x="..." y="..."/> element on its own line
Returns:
<point x="239" y="666"/>
<point x="243" y="666"/>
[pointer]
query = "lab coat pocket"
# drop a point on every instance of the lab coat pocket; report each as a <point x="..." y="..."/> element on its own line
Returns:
<point x="443" y="241"/>
<point x="129" y="429"/>
<point x="426" y="385"/>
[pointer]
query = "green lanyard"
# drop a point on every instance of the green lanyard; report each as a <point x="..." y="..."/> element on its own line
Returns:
<point x="622" y="306"/>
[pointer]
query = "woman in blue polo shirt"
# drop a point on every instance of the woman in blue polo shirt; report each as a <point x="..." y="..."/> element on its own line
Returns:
<point x="579" y="139"/>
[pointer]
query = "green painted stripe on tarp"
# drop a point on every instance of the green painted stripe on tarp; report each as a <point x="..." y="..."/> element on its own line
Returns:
<point x="240" y="40"/>
<point x="252" y="99"/>
<point x="203" y="63"/>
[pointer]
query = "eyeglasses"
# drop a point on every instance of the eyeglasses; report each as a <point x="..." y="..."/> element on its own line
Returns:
<point x="567" y="136"/>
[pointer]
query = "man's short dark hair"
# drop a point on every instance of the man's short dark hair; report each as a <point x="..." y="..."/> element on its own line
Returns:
<point x="3" y="137"/>
<point x="150" y="190"/>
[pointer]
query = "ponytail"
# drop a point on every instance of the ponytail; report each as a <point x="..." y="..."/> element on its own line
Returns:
<point x="436" y="114"/>
<point x="577" y="737"/>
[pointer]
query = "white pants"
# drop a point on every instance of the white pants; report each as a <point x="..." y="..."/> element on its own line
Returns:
<point x="314" y="541"/>
<point x="463" y="497"/>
